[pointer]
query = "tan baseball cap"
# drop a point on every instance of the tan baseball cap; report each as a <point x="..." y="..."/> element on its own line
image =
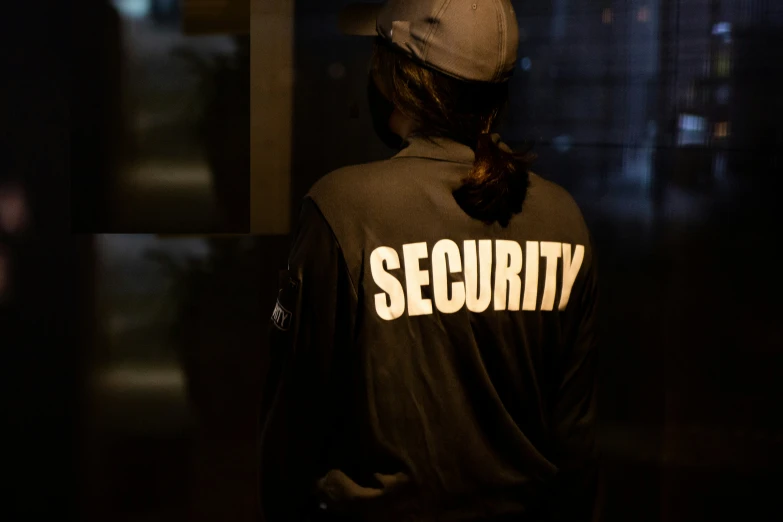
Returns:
<point x="472" y="40"/>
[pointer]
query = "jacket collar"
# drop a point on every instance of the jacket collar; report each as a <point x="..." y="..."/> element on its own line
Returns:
<point x="442" y="149"/>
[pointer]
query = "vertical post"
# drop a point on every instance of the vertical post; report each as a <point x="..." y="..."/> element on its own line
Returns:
<point x="271" y="126"/>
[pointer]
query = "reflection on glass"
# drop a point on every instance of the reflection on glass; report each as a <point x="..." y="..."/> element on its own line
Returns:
<point x="722" y="94"/>
<point x="643" y="14"/>
<point x="607" y="16"/>
<point x="721" y="129"/>
<point x="174" y="85"/>
<point x="692" y="130"/>
<point x="133" y="8"/>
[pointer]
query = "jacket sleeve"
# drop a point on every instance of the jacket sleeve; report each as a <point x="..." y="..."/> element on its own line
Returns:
<point x="311" y="322"/>
<point x="573" y="414"/>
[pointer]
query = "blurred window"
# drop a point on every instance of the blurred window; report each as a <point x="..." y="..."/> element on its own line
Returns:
<point x="692" y="130"/>
<point x="137" y="293"/>
<point x="174" y="85"/>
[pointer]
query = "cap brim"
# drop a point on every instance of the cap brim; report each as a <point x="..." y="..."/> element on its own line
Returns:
<point x="359" y="19"/>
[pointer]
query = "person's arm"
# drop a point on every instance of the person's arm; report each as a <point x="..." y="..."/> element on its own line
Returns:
<point x="573" y="416"/>
<point x="311" y="322"/>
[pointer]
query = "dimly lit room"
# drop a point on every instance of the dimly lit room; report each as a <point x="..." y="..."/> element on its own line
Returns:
<point x="207" y="127"/>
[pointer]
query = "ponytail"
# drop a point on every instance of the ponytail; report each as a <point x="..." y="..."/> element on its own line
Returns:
<point x="496" y="186"/>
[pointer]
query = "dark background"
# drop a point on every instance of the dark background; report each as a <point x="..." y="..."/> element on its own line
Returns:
<point x="661" y="117"/>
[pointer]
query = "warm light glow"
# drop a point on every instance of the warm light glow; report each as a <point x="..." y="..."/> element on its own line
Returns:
<point x="607" y="16"/>
<point x="142" y="379"/>
<point x="690" y="122"/>
<point x="722" y="94"/>
<point x="643" y="15"/>
<point x="13" y="209"/>
<point x="693" y="130"/>
<point x="722" y="129"/>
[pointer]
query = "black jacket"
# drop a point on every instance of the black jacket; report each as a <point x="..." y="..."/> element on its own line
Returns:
<point x="429" y="366"/>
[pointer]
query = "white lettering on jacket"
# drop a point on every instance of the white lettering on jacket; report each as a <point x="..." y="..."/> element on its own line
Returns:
<point x="502" y="276"/>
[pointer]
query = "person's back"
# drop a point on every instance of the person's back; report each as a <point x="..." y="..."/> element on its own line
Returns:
<point x="445" y="301"/>
<point x="464" y="332"/>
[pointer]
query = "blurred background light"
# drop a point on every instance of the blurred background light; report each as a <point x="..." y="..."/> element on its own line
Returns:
<point x="562" y="143"/>
<point x="13" y="209"/>
<point x="607" y="16"/>
<point x="133" y="8"/>
<point x="130" y="379"/>
<point x="722" y="29"/>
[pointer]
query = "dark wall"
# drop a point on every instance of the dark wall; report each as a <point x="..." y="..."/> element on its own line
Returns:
<point x="97" y="133"/>
<point x="43" y="269"/>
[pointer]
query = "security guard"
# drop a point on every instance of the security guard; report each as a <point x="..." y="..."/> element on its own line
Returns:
<point x="434" y="332"/>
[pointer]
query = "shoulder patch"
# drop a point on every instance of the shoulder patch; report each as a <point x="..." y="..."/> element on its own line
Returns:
<point x="287" y="300"/>
<point x="281" y="317"/>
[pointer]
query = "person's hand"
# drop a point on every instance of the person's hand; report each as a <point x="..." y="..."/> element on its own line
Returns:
<point x="338" y="493"/>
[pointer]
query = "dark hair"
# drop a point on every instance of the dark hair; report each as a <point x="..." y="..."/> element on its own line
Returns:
<point x="465" y="112"/>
